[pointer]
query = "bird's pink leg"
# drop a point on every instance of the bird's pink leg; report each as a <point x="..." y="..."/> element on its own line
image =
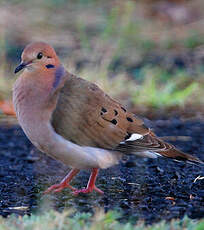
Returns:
<point x="64" y="183"/>
<point x="91" y="184"/>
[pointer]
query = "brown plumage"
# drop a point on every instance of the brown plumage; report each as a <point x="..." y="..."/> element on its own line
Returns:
<point x="87" y="116"/>
<point x="91" y="117"/>
<point x="74" y="121"/>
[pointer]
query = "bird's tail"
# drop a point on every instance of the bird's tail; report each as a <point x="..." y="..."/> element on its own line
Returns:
<point x="171" y="152"/>
<point x="151" y="146"/>
<point x="178" y="155"/>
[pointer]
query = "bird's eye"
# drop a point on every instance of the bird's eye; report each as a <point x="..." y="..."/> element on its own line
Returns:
<point x="40" y="55"/>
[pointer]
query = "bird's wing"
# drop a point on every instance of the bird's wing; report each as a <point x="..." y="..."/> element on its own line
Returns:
<point x="87" y="116"/>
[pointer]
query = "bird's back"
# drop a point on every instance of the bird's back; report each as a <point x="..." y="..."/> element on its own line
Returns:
<point x="87" y="116"/>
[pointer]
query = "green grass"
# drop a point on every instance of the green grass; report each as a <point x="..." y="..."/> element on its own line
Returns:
<point x="66" y="220"/>
<point x="172" y="91"/>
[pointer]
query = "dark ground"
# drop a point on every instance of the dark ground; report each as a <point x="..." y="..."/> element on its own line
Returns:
<point x="137" y="187"/>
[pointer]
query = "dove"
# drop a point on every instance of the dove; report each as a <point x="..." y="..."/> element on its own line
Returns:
<point x="74" y="121"/>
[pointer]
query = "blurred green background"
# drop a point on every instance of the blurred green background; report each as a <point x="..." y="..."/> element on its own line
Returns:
<point x="148" y="54"/>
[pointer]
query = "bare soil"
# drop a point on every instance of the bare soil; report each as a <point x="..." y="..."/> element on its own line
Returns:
<point x="147" y="189"/>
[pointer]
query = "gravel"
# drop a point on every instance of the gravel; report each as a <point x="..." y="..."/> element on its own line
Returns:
<point x="145" y="189"/>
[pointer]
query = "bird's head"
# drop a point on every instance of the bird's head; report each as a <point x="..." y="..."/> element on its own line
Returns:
<point x="38" y="55"/>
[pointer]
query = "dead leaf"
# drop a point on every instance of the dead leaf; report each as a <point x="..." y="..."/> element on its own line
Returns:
<point x="7" y="108"/>
<point x="170" y="198"/>
<point x="198" y="178"/>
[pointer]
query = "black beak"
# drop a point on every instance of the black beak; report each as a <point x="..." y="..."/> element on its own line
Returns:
<point x="20" y="67"/>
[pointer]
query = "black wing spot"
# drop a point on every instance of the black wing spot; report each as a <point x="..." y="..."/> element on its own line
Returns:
<point x="124" y="109"/>
<point x="114" y="121"/>
<point x="128" y="136"/>
<point x="50" y="66"/>
<point x="116" y="112"/>
<point x="129" y="119"/>
<point x="104" y="110"/>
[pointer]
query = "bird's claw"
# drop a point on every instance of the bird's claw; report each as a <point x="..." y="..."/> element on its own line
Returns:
<point x="88" y="190"/>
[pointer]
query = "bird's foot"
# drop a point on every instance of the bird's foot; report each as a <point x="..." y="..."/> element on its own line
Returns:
<point x="58" y="188"/>
<point x="64" y="183"/>
<point x="88" y="190"/>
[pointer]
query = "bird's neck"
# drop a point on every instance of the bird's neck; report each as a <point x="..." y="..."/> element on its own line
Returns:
<point x="34" y="99"/>
<point x="35" y="93"/>
<point x="34" y="109"/>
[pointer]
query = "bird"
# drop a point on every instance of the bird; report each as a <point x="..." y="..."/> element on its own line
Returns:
<point x="74" y="121"/>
